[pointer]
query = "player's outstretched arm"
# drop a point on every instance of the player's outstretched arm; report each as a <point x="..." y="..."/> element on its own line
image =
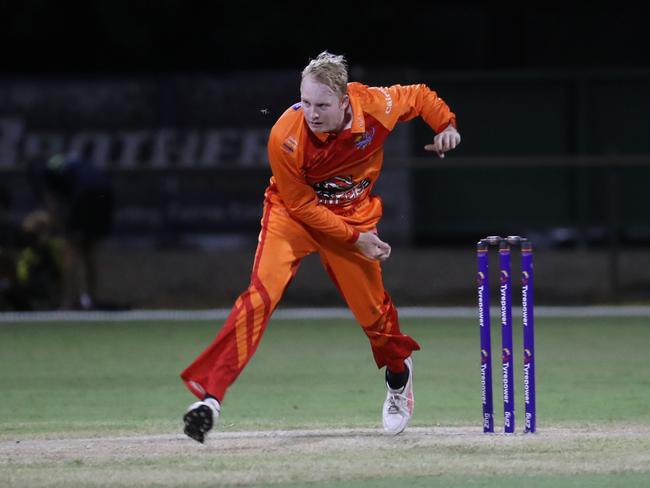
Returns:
<point x="372" y="247"/>
<point x="445" y="141"/>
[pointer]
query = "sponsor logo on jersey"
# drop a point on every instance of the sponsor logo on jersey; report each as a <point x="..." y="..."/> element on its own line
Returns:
<point x="360" y="121"/>
<point x="290" y="144"/>
<point x="340" y="190"/>
<point x="389" y="100"/>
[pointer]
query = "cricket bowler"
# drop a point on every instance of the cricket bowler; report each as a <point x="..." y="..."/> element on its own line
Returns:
<point x="326" y="154"/>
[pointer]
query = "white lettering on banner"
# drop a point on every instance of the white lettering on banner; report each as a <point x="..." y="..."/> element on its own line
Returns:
<point x="197" y="214"/>
<point x="253" y="147"/>
<point x="211" y="148"/>
<point x="173" y="149"/>
<point x="219" y="145"/>
<point x="98" y="144"/>
<point x="42" y="143"/>
<point x="162" y="144"/>
<point x="162" y="148"/>
<point x="166" y="147"/>
<point x="138" y="215"/>
<point x="132" y="144"/>
<point x="189" y="149"/>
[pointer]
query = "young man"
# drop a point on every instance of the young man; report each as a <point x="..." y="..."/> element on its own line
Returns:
<point x="326" y="154"/>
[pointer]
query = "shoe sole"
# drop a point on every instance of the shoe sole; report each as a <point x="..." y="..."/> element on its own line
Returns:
<point x="198" y="423"/>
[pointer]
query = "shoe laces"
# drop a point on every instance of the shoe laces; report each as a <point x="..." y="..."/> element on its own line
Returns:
<point x="397" y="403"/>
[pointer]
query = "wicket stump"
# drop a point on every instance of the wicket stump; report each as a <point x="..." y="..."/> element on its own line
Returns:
<point x="505" y="299"/>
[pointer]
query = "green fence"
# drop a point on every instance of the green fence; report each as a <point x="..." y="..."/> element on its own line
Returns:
<point x="595" y="199"/>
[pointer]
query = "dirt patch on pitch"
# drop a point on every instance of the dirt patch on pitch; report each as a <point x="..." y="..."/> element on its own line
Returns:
<point x="248" y="458"/>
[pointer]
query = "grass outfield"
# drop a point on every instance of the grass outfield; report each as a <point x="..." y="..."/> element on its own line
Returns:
<point x="99" y="404"/>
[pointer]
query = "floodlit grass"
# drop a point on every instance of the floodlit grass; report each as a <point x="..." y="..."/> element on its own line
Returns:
<point x="67" y="380"/>
<point x="124" y="376"/>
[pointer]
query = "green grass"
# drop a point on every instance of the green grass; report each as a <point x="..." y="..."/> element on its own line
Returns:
<point x="537" y="481"/>
<point x="124" y="376"/>
<point x="65" y="380"/>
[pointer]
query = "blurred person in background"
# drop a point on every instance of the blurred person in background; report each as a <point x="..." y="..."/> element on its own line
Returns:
<point x="39" y="265"/>
<point x="79" y="198"/>
<point x="326" y="154"/>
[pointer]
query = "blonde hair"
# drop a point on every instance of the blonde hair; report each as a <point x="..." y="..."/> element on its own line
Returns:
<point x="330" y="70"/>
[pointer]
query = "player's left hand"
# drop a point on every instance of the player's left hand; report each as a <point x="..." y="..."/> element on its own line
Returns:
<point x="447" y="140"/>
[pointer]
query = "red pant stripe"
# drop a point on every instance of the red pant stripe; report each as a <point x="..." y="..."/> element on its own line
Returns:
<point x="250" y="322"/>
<point x="283" y="242"/>
<point x="241" y="337"/>
<point x="266" y="299"/>
<point x="255" y="280"/>
<point x="265" y="225"/>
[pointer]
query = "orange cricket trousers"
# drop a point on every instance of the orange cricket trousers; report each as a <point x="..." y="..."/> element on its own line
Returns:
<point x="283" y="242"/>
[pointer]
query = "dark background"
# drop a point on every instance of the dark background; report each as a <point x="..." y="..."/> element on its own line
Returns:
<point x="552" y="98"/>
<point x="102" y="37"/>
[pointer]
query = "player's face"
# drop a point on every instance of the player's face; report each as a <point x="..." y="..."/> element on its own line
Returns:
<point x="324" y="110"/>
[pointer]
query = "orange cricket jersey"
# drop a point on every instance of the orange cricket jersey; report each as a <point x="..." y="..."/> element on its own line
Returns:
<point x="325" y="180"/>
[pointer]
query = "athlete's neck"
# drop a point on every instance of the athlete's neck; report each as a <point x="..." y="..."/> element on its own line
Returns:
<point x="346" y="123"/>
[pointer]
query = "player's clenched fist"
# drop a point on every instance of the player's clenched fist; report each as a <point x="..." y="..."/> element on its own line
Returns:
<point x="372" y="246"/>
<point x="445" y="141"/>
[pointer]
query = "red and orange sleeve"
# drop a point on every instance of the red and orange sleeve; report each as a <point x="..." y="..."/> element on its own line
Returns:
<point x="406" y="102"/>
<point x="300" y="198"/>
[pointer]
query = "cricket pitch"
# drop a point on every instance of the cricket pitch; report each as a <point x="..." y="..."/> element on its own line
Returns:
<point x="317" y="456"/>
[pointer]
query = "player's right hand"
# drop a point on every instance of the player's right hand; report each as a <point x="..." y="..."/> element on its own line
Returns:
<point x="372" y="247"/>
<point x="447" y="140"/>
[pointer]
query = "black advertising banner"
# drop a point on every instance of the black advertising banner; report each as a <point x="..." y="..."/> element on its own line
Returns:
<point x="186" y="155"/>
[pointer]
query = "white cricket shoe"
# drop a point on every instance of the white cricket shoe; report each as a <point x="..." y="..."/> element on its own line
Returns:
<point x="398" y="407"/>
<point x="200" y="417"/>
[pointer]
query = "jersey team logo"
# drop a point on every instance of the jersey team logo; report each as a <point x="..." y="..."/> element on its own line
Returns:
<point x="340" y="190"/>
<point x="366" y="138"/>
